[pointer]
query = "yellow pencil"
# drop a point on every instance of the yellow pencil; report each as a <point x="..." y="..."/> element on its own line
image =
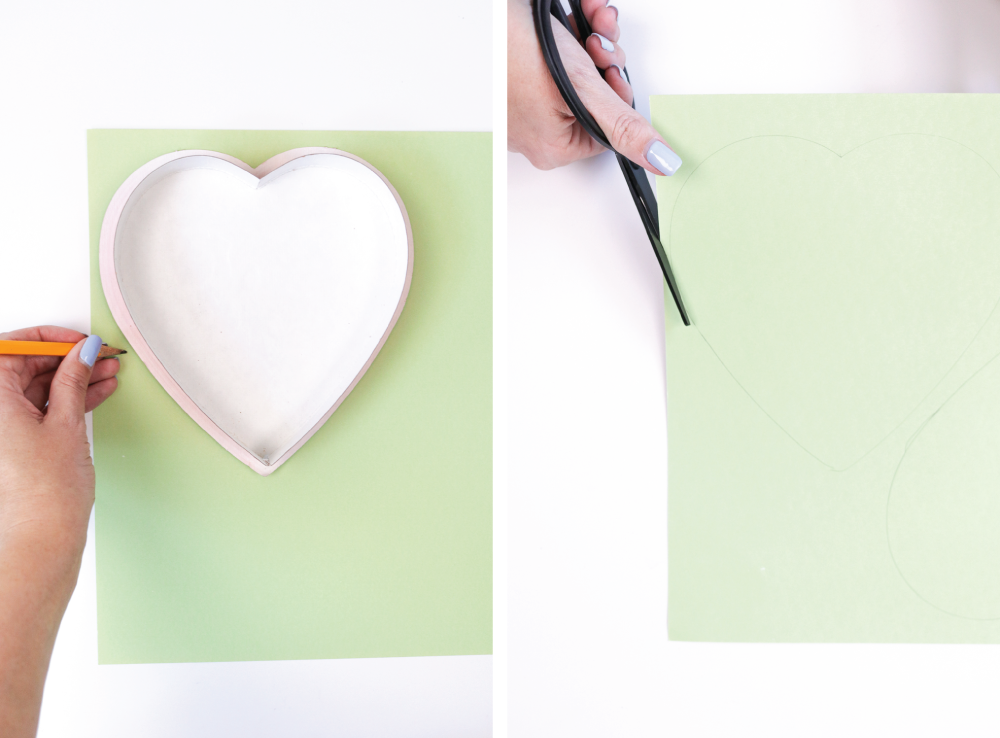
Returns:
<point x="50" y="348"/>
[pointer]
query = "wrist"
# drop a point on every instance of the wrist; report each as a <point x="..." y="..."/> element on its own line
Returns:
<point x="45" y="551"/>
<point x="37" y="578"/>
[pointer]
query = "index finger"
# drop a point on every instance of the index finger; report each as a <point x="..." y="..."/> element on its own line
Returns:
<point x="44" y="333"/>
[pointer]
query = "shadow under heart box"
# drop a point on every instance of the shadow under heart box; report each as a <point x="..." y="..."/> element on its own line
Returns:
<point x="257" y="297"/>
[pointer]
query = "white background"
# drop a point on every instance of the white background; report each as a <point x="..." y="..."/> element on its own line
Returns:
<point x="587" y="565"/>
<point x="67" y="67"/>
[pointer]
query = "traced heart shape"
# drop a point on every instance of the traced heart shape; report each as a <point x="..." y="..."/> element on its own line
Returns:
<point x="258" y="297"/>
<point x="839" y="290"/>
<point x="944" y="510"/>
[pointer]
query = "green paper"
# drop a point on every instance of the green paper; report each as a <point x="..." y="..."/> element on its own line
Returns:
<point x="833" y="412"/>
<point x="375" y="538"/>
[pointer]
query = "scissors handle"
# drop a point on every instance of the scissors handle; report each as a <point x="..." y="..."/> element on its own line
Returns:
<point x="635" y="176"/>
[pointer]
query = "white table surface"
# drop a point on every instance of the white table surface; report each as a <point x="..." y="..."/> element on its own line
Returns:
<point x="67" y="67"/>
<point x="586" y="422"/>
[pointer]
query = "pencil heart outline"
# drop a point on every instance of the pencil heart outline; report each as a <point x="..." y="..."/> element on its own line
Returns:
<point x="808" y="445"/>
<point x="123" y="317"/>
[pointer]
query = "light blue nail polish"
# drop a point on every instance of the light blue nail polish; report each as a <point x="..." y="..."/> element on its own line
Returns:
<point x="662" y="158"/>
<point x="605" y="44"/>
<point x="91" y="348"/>
<point x="621" y="73"/>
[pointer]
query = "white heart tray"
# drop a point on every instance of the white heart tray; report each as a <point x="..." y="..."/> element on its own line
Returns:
<point x="258" y="298"/>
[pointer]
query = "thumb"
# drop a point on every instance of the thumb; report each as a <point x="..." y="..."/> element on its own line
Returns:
<point x="629" y="133"/>
<point x="68" y="393"/>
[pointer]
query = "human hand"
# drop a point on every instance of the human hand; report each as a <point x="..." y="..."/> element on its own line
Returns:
<point x="46" y="494"/>
<point x="540" y="126"/>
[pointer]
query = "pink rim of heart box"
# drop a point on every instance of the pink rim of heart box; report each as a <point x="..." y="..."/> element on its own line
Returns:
<point x="121" y="314"/>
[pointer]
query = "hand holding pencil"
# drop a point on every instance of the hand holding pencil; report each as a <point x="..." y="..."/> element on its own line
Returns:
<point x="46" y="495"/>
<point x="33" y="355"/>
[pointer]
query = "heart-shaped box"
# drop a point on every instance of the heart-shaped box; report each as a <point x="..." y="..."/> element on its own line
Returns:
<point x="257" y="297"/>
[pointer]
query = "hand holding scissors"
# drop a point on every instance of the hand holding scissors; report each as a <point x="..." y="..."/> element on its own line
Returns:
<point x="584" y="65"/>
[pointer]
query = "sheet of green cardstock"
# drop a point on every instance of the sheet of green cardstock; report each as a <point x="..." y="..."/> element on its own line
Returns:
<point x="834" y="412"/>
<point x="375" y="539"/>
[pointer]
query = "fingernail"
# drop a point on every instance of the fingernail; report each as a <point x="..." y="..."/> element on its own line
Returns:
<point x="614" y="9"/>
<point x="621" y="73"/>
<point x="605" y="44"/>
<point x="91" y="348"/>
<point x="662" y="158"/>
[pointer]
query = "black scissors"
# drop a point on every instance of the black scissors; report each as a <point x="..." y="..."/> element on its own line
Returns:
<point x="635" y="176"/>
